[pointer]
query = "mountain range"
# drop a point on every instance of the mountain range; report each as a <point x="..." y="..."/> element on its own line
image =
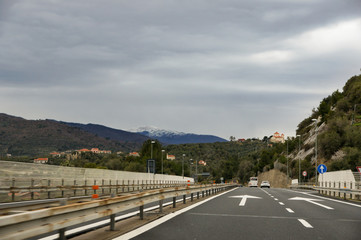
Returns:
<point x="173" y="137"/>
<point x="34" y="137"/>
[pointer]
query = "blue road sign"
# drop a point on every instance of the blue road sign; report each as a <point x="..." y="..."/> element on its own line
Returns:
<point x="322" y="168"/>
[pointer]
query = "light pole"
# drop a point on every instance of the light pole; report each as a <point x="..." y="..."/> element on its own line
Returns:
<point x="196" y="171"/>
<point x="316" y="132"/>
<point x="162" y="159"/>
<point x="299" y="159"/>
<point x="190" y="167"/>
<point x="287" y="158"/>
<point x="183" y="166"/>
<point x="151" y="149"/>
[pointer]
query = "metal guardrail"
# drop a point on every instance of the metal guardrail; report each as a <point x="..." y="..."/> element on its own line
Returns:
<point x="344" y="190"/>
<point x="17" y="189"/>
<point x="34" y="223"/>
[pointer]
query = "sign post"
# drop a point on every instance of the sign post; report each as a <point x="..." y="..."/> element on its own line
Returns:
<point x="304" y="174"/>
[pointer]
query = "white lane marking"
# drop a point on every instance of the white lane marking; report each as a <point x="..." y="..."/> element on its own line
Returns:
<point x="244" y="199"/>
<point x="159" y="221"/>
<point x="305" y="223"/>
<point x="290" y="210"/>
<point x="281" y="203"/>
<point x="330" y="199"/>
<point x="276" y="199"/>
<point x="310" y="200"/>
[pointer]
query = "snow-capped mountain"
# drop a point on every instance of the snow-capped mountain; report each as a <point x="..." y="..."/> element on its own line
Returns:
<point x="174" y="137"/>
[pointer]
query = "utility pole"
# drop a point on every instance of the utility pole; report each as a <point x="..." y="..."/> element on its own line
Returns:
<point x="316" y="132"/>
<point x="287" y="157"/>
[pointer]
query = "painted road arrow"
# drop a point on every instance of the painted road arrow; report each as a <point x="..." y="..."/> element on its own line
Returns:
<point x="311" y="200"/>
<point x="244" y="198"/>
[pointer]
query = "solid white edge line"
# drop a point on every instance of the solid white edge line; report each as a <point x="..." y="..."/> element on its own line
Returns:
<point x="305" y="223"/>
<point x="330" y="199"/>
<point x="290" y="210"/>
<point x="159" y="221"/>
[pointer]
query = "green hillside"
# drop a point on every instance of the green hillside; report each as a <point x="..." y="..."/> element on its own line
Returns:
<point x="21" y="137"/>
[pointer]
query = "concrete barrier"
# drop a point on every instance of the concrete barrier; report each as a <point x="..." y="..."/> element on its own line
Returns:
<point x="9" y="169"/>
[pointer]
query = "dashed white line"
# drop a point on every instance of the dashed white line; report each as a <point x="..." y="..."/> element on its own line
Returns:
<point x="290" y="210"/>
<point x="276" y="199"/>
<point x="305" y="223"/>
<point x="281" y="203"/>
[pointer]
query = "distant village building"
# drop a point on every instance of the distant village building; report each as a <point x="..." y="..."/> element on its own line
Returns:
<point x="55" y="154"/>
<point x="134" y="154"/>
<point x="170" y="157"/>
<point x="83" y="150"/>
<point x="278" y="138"/>
<point x="41" y="160"/>
<point x="201" y="162"/>
<point x="241" y="140"/>
<point x="94" y="150"/>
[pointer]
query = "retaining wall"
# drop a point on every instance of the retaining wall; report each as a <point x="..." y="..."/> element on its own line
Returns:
<point x="9" y="169"/>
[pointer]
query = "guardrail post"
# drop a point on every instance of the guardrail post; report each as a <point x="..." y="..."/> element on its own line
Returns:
<point x="112" y="222"/>
<point x="95" y="183"/>
<point x="141" y="212"/>
<point x="191" y="197"/>
<point x="202" y="194"/>
<point x="74" y="188"/>
<point x="197" y="195"/>
<point x="32" y="191"/>
<point x="334" y="186"/>
<point x="102" y="186"/>
<point x="13" y="193"/>
<point x="339" y="186"/>
<point x="116" y="188"/>
<point x="123" y="186"/>
<point x="62" y="230"/>
<point x="49" y="184"/>
<point x="174" y="202"/>
<point x="161" y="206"/>
<point x="184" y="199"/>
<point x="351" y="190"/>
<point x="344" y="194"/>
<point x="86" y="187"/>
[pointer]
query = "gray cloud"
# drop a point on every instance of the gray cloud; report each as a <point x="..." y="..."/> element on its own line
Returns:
<point x="217" y="67"/>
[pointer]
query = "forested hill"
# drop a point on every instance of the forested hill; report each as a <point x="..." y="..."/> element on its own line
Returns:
<point x="340" y="117"/>
<point x="21" y="137"/>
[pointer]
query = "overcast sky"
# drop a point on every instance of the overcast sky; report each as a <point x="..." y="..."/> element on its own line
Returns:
<point x="221" y="67"/>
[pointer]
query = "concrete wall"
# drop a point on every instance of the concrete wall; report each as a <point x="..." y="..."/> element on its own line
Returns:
<point x="20" y="170"/>
<point x="337" y="176"/>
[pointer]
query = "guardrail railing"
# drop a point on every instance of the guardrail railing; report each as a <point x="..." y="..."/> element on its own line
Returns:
<point x="34" y="223"/>
<point x="18" y="189"/>
<point x="346" y="190"/>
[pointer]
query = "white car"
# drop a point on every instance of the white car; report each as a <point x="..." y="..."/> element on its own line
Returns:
<point x="265" y="184"/>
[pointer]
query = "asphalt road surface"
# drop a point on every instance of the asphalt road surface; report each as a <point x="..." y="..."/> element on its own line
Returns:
<point x="254" y="213"/>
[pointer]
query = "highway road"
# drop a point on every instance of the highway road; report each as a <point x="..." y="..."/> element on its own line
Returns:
<point x="254" y="213"/>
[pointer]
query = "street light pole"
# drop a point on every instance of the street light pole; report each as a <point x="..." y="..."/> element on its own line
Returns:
<point x="196" y="171"/>
<point x="287" y="157"/>
<point x="190" y="167"/>
<point x="151" y="149"/>
<point x="162" y="159"/>
<point x="316" y="132"/>
<point x="183" y="166"/>
<point x="299" y="159"/>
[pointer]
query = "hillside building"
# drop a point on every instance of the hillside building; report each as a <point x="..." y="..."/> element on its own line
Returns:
<point x="277" y="138"/>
